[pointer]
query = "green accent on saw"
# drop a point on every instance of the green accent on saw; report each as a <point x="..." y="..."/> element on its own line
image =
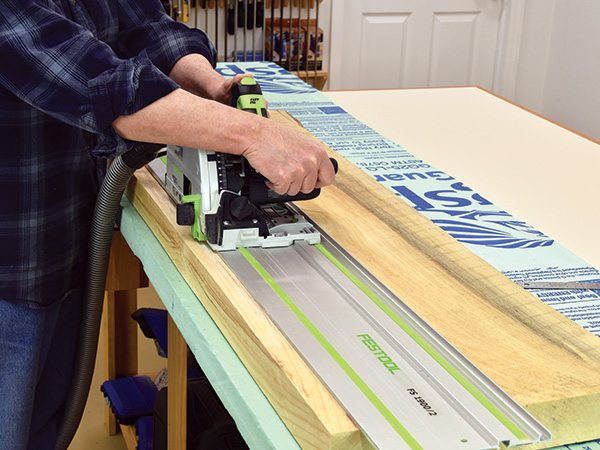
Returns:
<point x="196" y="227"/>
<point x="177" y="170"/>
<point x="164" y="159"/>
<point x="339" y="359"/>
<point x="493" y="409"/>
<point x="248" y="81"/>
<point x="252" y="101"/>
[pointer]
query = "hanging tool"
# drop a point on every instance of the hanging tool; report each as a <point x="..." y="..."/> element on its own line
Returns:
<point x="260" y="19"/>
<point x="271" y="30"/>
<point x="260" y="13"/>
<point x="250" y="26"/>
<point x="174" y="11"/>
<point x="299" y="38"/>
<point x="226" y="201"/>
<point x="241" y="14"/>
<point x="216" y="40"/>
<point x="231" y="17"/>
<point x="250" y="15"/>
<point x="282" y="41"/>
<point x="185" y="11"/>
<point x="195" y="6"/>
<point x="205" y="7"/>
<point x="226" y="32"/>
<point x="317" y="35"/>
<point x="243" y="21"/>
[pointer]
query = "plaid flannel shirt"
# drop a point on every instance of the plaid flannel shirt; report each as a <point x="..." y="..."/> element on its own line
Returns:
<point x="70" y="68"/>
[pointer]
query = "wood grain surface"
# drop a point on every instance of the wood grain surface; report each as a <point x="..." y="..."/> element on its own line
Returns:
<point x="549" y="364"/>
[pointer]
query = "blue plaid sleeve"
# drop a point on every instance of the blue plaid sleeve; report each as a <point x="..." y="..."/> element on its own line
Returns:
<point x="145" y="27"/>
<point x="108" y="59"/>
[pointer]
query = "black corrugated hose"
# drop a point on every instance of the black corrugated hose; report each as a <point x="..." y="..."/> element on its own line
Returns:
<point x="107" y="206"/>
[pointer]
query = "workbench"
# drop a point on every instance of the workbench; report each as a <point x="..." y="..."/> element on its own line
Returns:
<point x="538" y="171"/>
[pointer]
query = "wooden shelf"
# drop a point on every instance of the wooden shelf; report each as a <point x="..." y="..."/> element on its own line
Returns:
<point x="316" y="80"/>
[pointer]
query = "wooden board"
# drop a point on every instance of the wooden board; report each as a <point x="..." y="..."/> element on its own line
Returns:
<point x="546" y="362"/>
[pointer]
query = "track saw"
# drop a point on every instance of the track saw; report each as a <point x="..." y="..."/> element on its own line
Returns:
<point x="226" y="201"/>
<point x="403" y="384"/>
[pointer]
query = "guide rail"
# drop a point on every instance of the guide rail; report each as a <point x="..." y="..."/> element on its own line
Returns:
<point x="402" y="383"/>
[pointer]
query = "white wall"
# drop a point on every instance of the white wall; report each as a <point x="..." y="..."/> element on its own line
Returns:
<point x="572" y="87"/>
<point x="559" y="64"/>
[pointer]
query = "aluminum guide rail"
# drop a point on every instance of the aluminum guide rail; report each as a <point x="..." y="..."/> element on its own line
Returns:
<point x="403" y="384"/>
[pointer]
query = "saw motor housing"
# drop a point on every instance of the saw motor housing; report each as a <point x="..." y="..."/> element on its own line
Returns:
<point x="226" y="201"/>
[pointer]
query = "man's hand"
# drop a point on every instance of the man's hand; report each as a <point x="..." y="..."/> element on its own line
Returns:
<point x="195" y="74"/>
<point x="290" y="161"/>
<point x="222" y="93"/>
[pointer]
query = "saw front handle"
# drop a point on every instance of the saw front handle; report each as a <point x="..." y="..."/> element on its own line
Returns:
<point x="247" y="96"/>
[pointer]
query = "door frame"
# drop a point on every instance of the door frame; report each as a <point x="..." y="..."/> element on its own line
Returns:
<point x="508" y="50"/>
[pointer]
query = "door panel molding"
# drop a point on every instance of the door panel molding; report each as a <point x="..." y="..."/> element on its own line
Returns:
<point x="387" y="28"/>
<point x="410" y="43"/>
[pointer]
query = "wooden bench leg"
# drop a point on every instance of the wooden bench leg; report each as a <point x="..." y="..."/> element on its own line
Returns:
<point x="177" y="397"/>
<point x="119" y="330"/>
<point x="119" y="333"/>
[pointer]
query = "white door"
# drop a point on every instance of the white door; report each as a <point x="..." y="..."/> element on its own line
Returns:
<point x="413" y="43"/>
